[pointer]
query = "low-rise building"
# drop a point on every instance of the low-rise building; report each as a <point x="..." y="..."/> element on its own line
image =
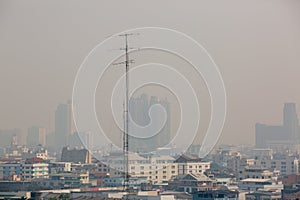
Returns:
<point x="157" y="169"/>
<point x="291" y="193"/>
<point x="257" y="172"/>
<point x="59" y="167"/>
<point x="263" y="195"/>
<point x="220" y="194"/>
<point x="291" y="180"/>
<point x="286" y="164"/>
<point x="237" y="163"/>
<point x="7" y="170"/>
<point x="70" y="180"/>
<point x="134" y="182"/>
<point x="190" y="183"/>
<point x="191" y="164"/>
<point x="34" y="168"/>
<point x="254" y="184"/>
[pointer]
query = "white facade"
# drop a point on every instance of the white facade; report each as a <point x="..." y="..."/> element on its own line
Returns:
<point x="252" y="184"/>
<point x="157" y="169"/>
<point x="27" y="172"/>
<point x="33" y="171"/>
<point x="256" y="172"/>
<point x="285" y="164"/>
<point x="193" y="167"/>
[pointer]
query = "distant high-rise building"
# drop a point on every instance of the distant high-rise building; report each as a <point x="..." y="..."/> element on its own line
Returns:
<point x="14" y="141"/>
<point x="83" y="139"/>
<point x="139" y="112"/>
<point x="63" y="123"/>
<point x="36" y="136"/>
<point x="12" y="137"/>
<point x="290" y="121"/>
<point x="285" y="135"/>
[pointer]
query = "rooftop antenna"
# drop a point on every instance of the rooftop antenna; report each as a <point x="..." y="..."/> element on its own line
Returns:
<point x="126" y="113"/>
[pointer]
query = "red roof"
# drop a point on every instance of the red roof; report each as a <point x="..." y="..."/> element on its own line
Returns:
<point x="34" y="160"/>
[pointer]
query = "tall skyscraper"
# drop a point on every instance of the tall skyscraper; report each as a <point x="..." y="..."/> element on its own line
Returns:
<point x="36" y="136"/>
<point x="139" y="112"/>
<point x="290" y="121"/>
<point x="285" y="135"/>
<point x="63" y="123"/>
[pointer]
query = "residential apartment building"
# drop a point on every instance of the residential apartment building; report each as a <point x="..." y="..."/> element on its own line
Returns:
<point x="238" y="163"/>
<point x="220" y="194"/>
<point x="255" y="184"/>
<point x="256" y="172"/>
<point x="157" y="169"/>
<point x="191" y="164"/>
<point x="59" y="167"/>
<point x="284" y="163"/>
<point x="34" y="168"/>
<point x="7" y="170"/>
<point x="191" y="183"/>
<point x="31" y="169"/>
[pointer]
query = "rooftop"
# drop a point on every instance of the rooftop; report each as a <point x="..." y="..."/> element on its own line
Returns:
<point x="256" y="180"/>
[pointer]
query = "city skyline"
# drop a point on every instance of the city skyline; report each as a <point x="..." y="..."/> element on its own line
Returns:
<point x="284" y="135"/>
<point x="34" y="135"/>
<point x="42" y="58"/>
<point x="174" y="99"/>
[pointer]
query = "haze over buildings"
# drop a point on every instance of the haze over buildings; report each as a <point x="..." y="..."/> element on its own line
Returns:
<point x="63" y="123"/>
<point x="139" y="109"/>
<point x="47" y="45"/>
<point x="35" y="136"/>
<point x="284" y="135"/>
<point x="44" y="43"/>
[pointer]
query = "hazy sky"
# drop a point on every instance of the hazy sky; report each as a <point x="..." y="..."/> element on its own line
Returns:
<point x="255" y="43"/>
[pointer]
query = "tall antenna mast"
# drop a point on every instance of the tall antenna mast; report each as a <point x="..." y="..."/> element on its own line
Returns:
<point x="126" y="113"/>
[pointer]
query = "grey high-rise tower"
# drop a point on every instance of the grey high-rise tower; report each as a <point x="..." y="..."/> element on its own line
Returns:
<point x="288" y="134"/>
<point x="139" y="113"/>
<point x="63" y="123"/>
<point x="290" y="121"/>
<point x="35" y="136"/>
